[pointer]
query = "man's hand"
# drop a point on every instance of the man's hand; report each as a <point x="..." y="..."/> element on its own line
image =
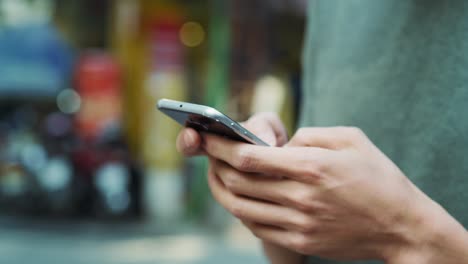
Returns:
<point x="338" y="197"/>
<point x="270" y="129"/>
<point x="266" y="126"/>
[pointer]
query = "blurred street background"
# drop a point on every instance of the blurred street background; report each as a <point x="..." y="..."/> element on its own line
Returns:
<point x="89" y="172"/>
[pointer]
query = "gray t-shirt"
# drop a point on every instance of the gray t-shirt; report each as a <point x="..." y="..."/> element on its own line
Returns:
<point x="398" y="70"/>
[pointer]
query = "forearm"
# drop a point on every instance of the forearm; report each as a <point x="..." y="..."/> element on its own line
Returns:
<point x="437" y="238"/>
<point x="279" y="255"/>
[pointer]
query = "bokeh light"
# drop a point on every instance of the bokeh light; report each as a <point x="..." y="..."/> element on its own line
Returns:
<point x="269" y="94"/>
<point x="192" y="34"/>
<point x="68" y="101"/>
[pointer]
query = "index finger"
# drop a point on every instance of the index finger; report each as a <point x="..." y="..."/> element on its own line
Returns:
<point x="305" y="164"/>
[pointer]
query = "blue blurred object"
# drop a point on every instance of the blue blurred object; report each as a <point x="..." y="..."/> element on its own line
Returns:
<point x="34" y="61"/>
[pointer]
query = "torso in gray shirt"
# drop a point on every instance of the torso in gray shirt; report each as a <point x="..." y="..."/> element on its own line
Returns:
<point x="398" y="70"/>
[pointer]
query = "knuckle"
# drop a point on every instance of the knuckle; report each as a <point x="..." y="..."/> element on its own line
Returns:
<point x="255" y="233"/>
<point x="306" y="225"/>
<point x="237" y="210"/>
<point x="302" y="200"/>
<point x="245" y="160"/>
<point x="300" y="243"/>
<point x="314" y="170"/>
<point x="231" y="181"/>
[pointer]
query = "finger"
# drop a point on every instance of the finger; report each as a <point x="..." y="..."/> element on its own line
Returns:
<point x="268" y="127"/>
<point x="256" y="211"/>
<point x="325" y="137"/>
<point x="189" y="142"/>
<point x="285" y="192"/>
<point x="291" y="240"/>
<point x="306" y="164"/>
<point x="263" y="131"/>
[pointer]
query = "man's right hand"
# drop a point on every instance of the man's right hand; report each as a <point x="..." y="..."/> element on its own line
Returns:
<point x="266" y="126"/>
<point x="269" y="128"/>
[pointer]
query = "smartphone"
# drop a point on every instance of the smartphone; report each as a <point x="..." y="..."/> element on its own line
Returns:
<point x="207" y="119"/>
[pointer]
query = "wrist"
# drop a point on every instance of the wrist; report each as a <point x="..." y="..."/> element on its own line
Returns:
<point x="415" y="237"/>
<point x="428" y="235"/>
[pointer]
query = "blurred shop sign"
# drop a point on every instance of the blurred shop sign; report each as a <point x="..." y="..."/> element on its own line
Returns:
<point x="98" y="83"/>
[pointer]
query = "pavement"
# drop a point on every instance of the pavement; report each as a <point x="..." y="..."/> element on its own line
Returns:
<point x="44" y="241"/>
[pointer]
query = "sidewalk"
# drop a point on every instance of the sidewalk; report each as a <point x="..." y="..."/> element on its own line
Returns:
<point x="82" y="243"/>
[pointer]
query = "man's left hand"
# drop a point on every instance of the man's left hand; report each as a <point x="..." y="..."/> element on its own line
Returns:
<point x="333" y="194"/>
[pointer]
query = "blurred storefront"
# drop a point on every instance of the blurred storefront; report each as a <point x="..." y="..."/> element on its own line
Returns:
<point x="80" y="137"/>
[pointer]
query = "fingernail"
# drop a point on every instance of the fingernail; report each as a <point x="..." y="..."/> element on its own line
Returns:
<point x="189" y="141"/>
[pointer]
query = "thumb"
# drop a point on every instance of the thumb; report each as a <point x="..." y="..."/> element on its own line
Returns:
<point x="265" y="134"/>
<point x="268" y="127"/>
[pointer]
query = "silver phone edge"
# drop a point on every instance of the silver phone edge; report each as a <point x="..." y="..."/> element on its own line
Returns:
<point x="213" y="114"/>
